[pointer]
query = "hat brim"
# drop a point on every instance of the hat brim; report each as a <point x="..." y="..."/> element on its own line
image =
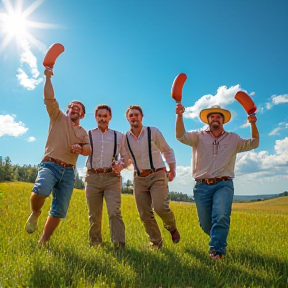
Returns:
<point x="205" y="112"/>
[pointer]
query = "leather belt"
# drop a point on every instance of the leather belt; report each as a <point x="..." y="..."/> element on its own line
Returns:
<point x="100" y="170"/>
<point x="213" y="180"/>
<point x="57" y="161"/>
<point x="146" y="172"/>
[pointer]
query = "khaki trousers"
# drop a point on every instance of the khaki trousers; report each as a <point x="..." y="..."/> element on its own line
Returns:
<point x="150" y="193"/>
<point x="108" y="186"/>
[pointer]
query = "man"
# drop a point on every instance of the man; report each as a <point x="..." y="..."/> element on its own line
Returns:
<point x="103" y="179"/>
<point x="66" y="140"/>
<point x="146" y="146"/>
<point x="214" y="156"/>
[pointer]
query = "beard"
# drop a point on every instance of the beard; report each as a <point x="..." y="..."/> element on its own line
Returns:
<point x="215" y="125"/>
<point x="74" y="117"/>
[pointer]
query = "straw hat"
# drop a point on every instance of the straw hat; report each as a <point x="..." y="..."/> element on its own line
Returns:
<point x="214" y="109"/>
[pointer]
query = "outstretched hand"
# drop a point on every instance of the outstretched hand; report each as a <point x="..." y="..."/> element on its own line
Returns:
<point x="252" y="119"/>
<point x="48" y="72"/>
<point x="180" y="109"/>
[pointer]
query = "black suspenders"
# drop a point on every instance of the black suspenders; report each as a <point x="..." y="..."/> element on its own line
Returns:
<point x="149" y="148"/>
<point x="91" y="144"/>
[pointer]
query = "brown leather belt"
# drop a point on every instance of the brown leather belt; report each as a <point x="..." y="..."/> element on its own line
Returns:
<point x="100" y="170"/>
<point x="147" y="172"/>
<point x="57" y="161"/>
<point x="213" y="180"/>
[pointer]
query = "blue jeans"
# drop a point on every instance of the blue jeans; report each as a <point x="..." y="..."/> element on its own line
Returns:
<point x="58" y="180"/>
<point x="213" y="204"/>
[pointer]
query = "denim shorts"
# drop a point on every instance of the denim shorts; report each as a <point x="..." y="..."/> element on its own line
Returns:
<point x="58" y="180"/>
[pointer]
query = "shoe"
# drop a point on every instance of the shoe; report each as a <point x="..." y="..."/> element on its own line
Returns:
<point x="156" y="246"/>
<point x="215" y="255"/>
<point x="175" y="236"/>
<point x="31" y="224"/>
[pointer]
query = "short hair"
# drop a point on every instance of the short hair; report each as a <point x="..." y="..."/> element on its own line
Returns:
<point x="216" y="113"/>
<point x="137" y="107"/>
<point x="77" y="102"/>
<point x="103" y="106"/>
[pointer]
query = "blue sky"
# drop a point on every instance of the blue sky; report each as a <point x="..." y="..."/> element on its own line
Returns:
<point x="129" y="52"/>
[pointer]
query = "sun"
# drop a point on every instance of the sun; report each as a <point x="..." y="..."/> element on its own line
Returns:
<point x="15" y="22"/>
<point x="14" y="25"/>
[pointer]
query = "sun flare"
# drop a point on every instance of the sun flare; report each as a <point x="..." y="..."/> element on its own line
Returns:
<point x="15" y="22"/>
<point x="15" y="25"/>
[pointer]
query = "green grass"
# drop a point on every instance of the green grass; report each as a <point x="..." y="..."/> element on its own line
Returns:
<point x="257" y="252"/>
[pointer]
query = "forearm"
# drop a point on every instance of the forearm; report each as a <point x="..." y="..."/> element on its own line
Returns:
<point x="254" y="130"/>
<point x="86" y="150"/>
<point x="48" y="89"/>
<point x="180" y="128"/>
<point x="172" y="166"/>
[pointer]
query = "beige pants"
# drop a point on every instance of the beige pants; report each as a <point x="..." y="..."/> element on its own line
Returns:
<point x="150" y="193"/>
<point x="108" y="186"/>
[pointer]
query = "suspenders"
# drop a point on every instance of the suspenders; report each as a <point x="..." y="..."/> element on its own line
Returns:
<point x="91" y="143"/>
<point x="149" y="148"/>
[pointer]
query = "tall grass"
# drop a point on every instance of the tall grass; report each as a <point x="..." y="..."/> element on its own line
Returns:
<point x="257" y="252"/>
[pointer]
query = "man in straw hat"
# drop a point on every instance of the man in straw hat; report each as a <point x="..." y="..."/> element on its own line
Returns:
<point x="214" y="156"/>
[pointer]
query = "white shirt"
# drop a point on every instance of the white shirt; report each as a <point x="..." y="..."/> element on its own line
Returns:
<point x="215" y="157"/>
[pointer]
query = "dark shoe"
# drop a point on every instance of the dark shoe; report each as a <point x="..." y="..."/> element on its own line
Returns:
<point x="156" y="245"/>
<point x="216" y="255"/>
<point x="175" y="236"/>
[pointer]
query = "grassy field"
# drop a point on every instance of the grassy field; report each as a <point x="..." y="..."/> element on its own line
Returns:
<point x="257" y="252"/>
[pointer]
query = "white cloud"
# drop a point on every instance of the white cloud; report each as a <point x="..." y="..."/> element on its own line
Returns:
<point x="31" y="139"/>
<point x="28" y="62"/>
<point x="9" y="127"/>
<point x="276" y="100"/>
<point x="281" y="126"/>
<point x="222" y="98"/>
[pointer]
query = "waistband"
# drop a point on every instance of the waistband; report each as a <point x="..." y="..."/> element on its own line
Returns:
<point x="147" y="172"/>
<point x="213" y="180"/>
<point x="57" y="161"/>
<point x="100" y="170"/>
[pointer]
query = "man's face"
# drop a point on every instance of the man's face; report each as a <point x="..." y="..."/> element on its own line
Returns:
<point x="103" y="118"/>
<point x="134" y="118"/>
<point x="75" y="112"/>
<point x="215" y="121"/>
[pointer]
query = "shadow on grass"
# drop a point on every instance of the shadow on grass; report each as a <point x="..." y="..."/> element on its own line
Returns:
<point x="106" y="267"/>
<point x="243" y="269"/>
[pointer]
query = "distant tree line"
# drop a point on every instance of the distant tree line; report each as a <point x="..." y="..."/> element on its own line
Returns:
<point x="25" y="173"/>
<point x="28" y="173"/>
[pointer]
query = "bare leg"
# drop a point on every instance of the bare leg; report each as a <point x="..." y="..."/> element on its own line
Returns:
<point x="50" y="226"/>
<point x="36" y="202"/>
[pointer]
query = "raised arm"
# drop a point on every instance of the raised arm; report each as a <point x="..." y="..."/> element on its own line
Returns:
<point x="254" y="130"/>
<point x="48" y="87"/>
<point x="180" y="128"/>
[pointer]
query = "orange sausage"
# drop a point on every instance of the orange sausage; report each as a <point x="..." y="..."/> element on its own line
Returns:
<point x="246" y="101"/>
<point x="177" y="86"/>
<point x="54" y="51"/>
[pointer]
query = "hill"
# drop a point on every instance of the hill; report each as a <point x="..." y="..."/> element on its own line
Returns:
<point x="258" y="197"/>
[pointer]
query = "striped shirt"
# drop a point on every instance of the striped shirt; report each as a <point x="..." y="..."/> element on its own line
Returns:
<point x="215" y="157"/>
<point x="160" y="150"/>
<point x="103" y="148"/>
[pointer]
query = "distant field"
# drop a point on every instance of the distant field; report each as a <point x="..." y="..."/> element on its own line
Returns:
<point x="275" y="205"/>
<point x="257" y="252"/>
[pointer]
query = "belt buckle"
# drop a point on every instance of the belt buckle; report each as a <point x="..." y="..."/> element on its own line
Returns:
<point x="210" y="181"/>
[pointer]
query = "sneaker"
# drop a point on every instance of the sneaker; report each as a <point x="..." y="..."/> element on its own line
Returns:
<point x="31" y="224"/>
<point x="216" y="255"/>
<point x="156" y="246"/>
<point x="175" y="236"/>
